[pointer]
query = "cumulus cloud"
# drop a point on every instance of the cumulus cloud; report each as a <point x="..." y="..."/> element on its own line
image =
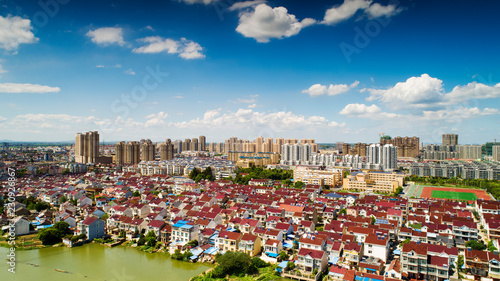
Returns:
<point x="264" y="23"/>
<point x="376" y="10"/>
<point x="349" y="8"/>
<point x="186" y="49"/>
<point x="15" y="31"/>
<point x="458" y="114"/>
<point x="317" y="90"/>
<point x="2" y="70"/>
<point x="17" y="88"/>
<point x="155" y="120"/>
<point x="415" y="92"/>
<point x="248" y="119"/>
<point x="365" y="111"/>
<point x="425" y="91"/>
<point x="106" y="36"/>
<point x="472" y="90"/>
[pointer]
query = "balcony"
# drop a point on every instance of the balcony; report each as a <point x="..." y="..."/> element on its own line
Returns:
<point x="301" y="275"/>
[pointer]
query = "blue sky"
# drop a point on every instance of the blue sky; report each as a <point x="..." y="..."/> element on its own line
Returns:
<point x="329" y="70"/>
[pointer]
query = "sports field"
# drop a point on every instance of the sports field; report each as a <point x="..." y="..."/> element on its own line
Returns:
<point x="453" y="195"/>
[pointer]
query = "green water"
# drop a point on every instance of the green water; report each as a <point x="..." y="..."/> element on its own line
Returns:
<point x="96" y="262"/>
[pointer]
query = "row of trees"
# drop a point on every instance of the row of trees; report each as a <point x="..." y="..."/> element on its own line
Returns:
<point x="55" y="233"/>
<point x="261" y="173"/>
<point x="198" y="175"/>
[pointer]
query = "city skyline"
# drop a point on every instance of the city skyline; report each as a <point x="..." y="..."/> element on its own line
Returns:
<point x="328" y="70"/>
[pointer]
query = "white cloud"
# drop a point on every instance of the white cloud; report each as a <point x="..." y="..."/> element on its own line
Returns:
<point x="178" y="97"/>
<point x="317" y="90"/>
<point x="100" y="66"/>
<point x="253" y="105"/>
<point x="458" y="114"/>
<point x="247" y="119"/>
<point x="365" y="111"/>
<point x="106" y="36"/>
<point x="155" y="120"/>
<point x="186" y="49"/>
<point x="192" y="50"/>
<point x="206" y="2"/>
<point x="425" y="91"/>
<point x="415" y="92"/>
<point x="129" y="72"/>
<point x="344" y="11"/>
<point x="15" y="31"/>
<point x="244" y="5"/>
<point x="472" y="90"/>
<point x="349" y="8"/>
<point x="376" y="10"/>
<point x="17" y="88"/>
<point x="264" y="23"/>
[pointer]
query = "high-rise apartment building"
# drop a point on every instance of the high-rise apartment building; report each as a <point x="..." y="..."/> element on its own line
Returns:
<point x="296" y="154"/>
<point x="119" y="153"/>
<point x="167" y="150"/>
<point x="385" y="156"/>
<point x="346" y="149"/>
<point x="148" y="150"/>
<point x="407" y="147"/>
<point x="202" y="143"/>
<point x="177" y="146"/>
<point x="450" y="139"/>
<point x="132" y="153"/>
<point x="470" y="151"/>
<point x="186" y="145"/>
<point x="496" y="153"/>
<point x="194" y="144"/>
<point x="277" y="146"/>
<point x="86" y="147"/>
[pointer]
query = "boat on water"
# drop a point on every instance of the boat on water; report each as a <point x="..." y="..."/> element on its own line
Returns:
<point x="60" y="270"/>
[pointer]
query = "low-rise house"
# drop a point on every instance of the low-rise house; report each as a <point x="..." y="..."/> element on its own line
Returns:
<point x="250" y="244"/>
<point x="273" y="248"/>
<point x="377" y="247"/>
<point x="229" y="241"/>
<point x="91" y="227"/>
<point x="308" y="260"/>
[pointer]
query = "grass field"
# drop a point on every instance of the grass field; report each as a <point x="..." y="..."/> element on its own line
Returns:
<point x="454" y="195"/>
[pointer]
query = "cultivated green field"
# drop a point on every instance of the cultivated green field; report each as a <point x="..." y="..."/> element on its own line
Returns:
<point x="454" y="195"/>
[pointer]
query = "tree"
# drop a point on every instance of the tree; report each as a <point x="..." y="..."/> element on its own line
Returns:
<point x="62" y="199"/>
<point x="234" y="262"/>
<point x="192" y="243"/>
<point x="258" y="262"/>
<point x="474" y="245"/>
<point x="177" y="255"/>
<point x="62" y="228"/>
<point x="491" y="247"/>
<point x="283" y="255"/>
<point x="136" y="194"/>
<point x="142" y="240"/>
<point x="151" y="239"/>
<point x="299" y="184"/>
<point x="290" y="265"/>
<point x="460" y="262"/>
<point x="373" y="220"/>
<point x="49" y="236"/>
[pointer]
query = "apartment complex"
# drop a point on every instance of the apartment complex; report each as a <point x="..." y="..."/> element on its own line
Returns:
<point x="386" y="156"/>
<point x="127" y="153"/>
<point x="167" y="150"/>
<point x="450" y="169"/>
<point x="296" y="154"/>
<point x="407" y="147"/>
<point x="496" y="153"/>
<point x="263" y="145"/>
<point x="373" y="182"/>
<point x="259" y="159"/>
<point x="330" y="177"/>
<point x="470" y="151"/>
<point x="148" y="150"/>
<point x="450" y="139"/>
<point x="87" y="147"/>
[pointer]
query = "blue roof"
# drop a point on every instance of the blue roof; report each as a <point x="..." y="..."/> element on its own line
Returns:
<point x="396" y="252"/>
<point x="286" y="245"/>
<point x="211" y="250"/>
<point x="333" y="195"/>
<point x="359" y="278"/>
<point x="272" y="255"/>
<point x="334" y="260"/>
<point x="283" y="264"/>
